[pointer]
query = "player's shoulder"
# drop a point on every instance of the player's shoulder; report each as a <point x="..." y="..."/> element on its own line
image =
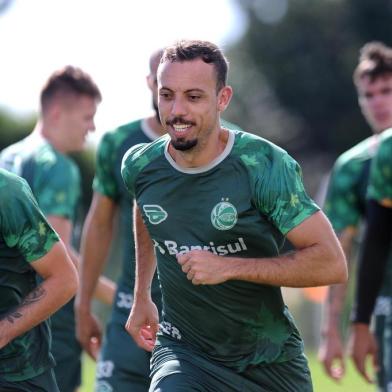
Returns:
<point x="12" y="186"/>
<point x="386" y="139"/>
<point x="142" y="154"/>
<point x="357" y="155"/>
<point x="253" y="148"/>
<point x="122" y="131"/>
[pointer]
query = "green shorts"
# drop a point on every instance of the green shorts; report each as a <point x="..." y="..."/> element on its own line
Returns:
<point x="45" y="382"/>
<point x="175" y="371"/>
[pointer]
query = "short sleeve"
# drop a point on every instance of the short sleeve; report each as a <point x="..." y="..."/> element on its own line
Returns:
<point x="132" y="162"/>
<point x="23" y="225"/>
<point x="342" y="204"/>
<point x="104" y="180"/>
<point x="280" y="193"/>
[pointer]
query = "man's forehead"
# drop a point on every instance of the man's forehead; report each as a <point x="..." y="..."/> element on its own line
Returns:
<point x="185" y="72"/>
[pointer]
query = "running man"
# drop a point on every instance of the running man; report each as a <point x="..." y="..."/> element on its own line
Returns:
<point x="29" y="248"/>
<point x="346" y="203"/>
<point x="217" y="205"/>
<point x="68" y="102"/>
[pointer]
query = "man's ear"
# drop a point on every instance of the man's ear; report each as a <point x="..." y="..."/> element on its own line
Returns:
<point x="224" y="97"/>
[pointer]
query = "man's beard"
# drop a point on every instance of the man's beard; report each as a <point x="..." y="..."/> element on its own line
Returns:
<point x="181" y="144"/>
<point x="184" y="145"/>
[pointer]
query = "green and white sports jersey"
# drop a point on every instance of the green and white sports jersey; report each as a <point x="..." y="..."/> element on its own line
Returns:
<point x="53" y="177"/>
<point x="25" y="237"/>
<point x="108" y="182"/>
<point x="241" y="204"/>
<point x="346" y="197"/>
<point x="380" y="183"/>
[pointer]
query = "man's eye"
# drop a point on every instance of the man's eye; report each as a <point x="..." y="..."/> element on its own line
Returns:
<point x="194" y="97"/>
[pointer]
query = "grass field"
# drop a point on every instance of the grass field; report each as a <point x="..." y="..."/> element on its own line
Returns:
<point x="352" y="381"/>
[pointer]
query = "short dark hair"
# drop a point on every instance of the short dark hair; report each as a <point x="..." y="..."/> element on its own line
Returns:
<point x="188" y="50"/>
<point x="68" y="81"/>
<point x="375" y="60"/>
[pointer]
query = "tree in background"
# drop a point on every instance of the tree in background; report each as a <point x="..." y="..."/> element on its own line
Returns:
<point x="292" y="74"/>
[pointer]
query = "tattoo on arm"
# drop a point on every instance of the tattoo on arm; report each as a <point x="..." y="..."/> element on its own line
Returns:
<point x="34" y="296"/>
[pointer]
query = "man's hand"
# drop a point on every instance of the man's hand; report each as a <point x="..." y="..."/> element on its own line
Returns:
<point x="331" y="354"/>
<point x="203" y="267"/>
<point x="362" y="345"/>
<point x="143" y="323"/>
<point x="88" y="332"/>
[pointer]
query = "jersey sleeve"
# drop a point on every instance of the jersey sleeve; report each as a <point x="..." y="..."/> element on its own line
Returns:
<point x="57" y="187"/>
<point x="342" y="204"/>
<point x="133" y="161"/>
<point x="104" y="180"/>
<point x="23" y="225"/>
<point x="380" y="182"/>
<point x="280" y="193"/>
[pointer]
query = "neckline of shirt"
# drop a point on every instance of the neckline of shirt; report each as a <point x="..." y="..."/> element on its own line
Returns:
<point x="204" y="168"/>
<point x="148" y="131"/>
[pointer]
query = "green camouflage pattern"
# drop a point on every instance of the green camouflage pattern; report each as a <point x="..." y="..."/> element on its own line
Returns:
<point x="380" y="184"/>
<point x="25" y="237"/>
<point x="244" y="204"/>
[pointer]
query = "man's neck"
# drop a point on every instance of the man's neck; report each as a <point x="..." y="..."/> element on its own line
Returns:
<point x="202" y="154"/>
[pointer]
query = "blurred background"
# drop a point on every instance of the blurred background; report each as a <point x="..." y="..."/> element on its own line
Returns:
<point x="291" y="65"/>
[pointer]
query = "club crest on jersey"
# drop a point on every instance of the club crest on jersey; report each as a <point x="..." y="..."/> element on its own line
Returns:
<point x="224" y="215"/>
<point x="155" y="213"/>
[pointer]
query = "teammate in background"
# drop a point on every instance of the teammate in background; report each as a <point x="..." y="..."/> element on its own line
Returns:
<point x="122" y="366"/>
<point x="373" y="264"/>
<point x="68" y="103"/>
<point x="28" y="248"/>
<point x="346" y="199"/>
<point x="217" y="204"/>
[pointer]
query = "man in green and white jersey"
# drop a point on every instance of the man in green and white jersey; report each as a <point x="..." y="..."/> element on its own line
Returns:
<point x="217" y="205"/>
<point x="346" y="203"/>
<point x="29" y="248"/>
<point x="69" y="101"/>
<point x="373" y="265"/>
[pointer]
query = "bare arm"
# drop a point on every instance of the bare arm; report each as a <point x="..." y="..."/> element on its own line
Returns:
<point x="104" y="287"/>
<point x="319" y="260"/>
<point x="59" y="285"/>
<point x="96" y="239"/>
<point x="331" y="351"/>
<point x="143" y="320"/>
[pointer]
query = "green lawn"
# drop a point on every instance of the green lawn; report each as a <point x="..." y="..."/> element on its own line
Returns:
<point x="352" y="381"/>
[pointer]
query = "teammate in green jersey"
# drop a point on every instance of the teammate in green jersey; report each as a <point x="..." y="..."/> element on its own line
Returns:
<point x="29" y="248"/>
<point x="346" y="201"/>
<point x="217" y="205"/>
<point x="69" y="101"/>
<point x="372" y="265"/>
<point x="121" y="366"/>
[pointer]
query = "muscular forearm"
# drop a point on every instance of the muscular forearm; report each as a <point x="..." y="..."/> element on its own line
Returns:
<point x="337" y="292"/>
<point x="36" y="307"/>
<point x="308" y="267"/>
<point x="94" y="250"/>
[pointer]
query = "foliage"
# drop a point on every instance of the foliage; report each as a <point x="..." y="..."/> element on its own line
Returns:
<point x="293" y="76"/>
